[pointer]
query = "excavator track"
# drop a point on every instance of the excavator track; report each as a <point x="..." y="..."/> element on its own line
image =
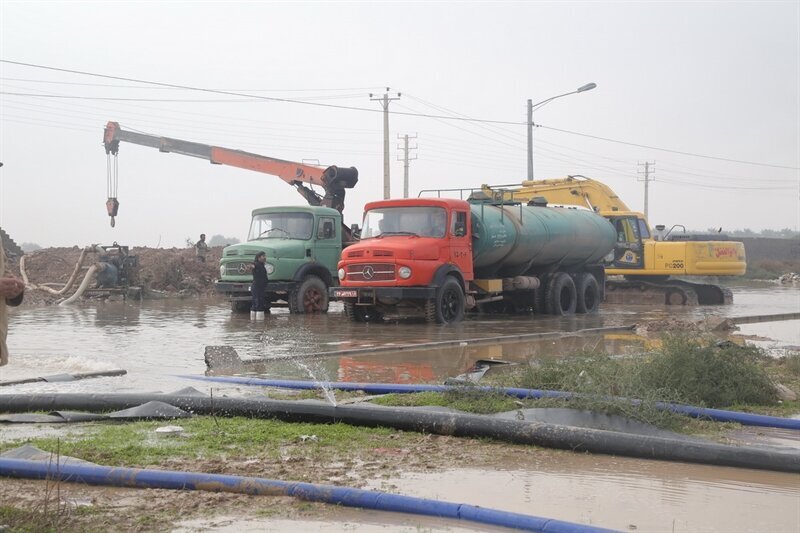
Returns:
<point x="665" y="292"/>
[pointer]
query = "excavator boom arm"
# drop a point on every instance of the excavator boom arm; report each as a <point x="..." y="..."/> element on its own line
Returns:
<point x="572" y="190"/>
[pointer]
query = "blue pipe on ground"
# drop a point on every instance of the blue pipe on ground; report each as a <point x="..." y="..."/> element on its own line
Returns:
<point x="718" y="415"/>
<point x="349" y="497"/>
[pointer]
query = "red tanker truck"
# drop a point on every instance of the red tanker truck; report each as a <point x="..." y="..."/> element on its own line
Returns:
<point x="437" y="257"/>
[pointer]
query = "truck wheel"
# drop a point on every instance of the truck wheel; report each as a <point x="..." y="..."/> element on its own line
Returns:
<point x="448" y="305"/>
<point x="588" y="291"/>
<point x="239" y="306"/>
<point x="361" y="313"/>
<point x="560" y="296"/>
<point x="311" y="296"/>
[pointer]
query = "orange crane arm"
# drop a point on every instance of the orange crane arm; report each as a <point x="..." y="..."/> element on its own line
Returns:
<point x="332" y="179"/>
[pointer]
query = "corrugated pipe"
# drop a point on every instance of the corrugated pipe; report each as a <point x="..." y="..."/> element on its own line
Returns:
<point x="83" y="286"/>
<point x="349" y="497"/>
<point x="718" y="415"/>
<point x="439" y="423"/>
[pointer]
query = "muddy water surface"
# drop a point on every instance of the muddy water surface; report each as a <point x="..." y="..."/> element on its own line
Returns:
<point x="156" y="341"/>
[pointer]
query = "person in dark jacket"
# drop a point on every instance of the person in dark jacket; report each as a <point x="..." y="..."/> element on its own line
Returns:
<point x="259" y="286"/>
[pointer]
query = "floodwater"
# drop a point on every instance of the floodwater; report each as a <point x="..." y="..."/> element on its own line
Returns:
<point x="158" y="341"/>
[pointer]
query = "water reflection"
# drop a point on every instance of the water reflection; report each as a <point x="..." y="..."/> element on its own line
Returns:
<point x="619" y="492"/>
<point x="156" y="340"/>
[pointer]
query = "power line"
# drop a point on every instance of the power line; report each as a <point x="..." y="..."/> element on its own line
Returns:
<point x="244" y="99"/>
<point x="233" y="93"/>
<point x="372" y="110"/>
<point x="667" y="149"/>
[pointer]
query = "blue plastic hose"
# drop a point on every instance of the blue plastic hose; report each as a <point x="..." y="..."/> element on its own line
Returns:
<point x="349" y="497"/>
<point x="718" y="415"/>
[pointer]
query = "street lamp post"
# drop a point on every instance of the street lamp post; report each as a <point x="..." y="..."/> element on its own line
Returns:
<point x="532" y="107"/>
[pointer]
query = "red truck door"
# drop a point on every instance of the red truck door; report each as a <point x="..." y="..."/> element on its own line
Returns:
<point x="461" y="243"/>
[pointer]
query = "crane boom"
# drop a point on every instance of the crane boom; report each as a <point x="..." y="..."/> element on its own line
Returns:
<point x="334" y="180"/>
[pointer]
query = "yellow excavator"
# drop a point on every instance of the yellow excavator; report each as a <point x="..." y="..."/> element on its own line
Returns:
<point x="648" y="261"/>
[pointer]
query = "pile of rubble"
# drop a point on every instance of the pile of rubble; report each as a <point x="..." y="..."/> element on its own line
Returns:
<point x="160" y="271"/>
<point x="705" y="325"/>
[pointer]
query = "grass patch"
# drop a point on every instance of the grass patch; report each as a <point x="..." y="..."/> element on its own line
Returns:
<point x="792" y="364"/>
<point x="687" y="370"/>
<point x="683" y="369"/>
<point x="468" y="399"/>
<point x="136" y="444"/>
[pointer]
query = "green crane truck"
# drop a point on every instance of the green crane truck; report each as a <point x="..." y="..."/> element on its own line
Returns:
<point x="303" y="245"/>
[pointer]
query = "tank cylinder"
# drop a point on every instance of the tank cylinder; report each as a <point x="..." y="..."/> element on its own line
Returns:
<point x="513" y="240"/>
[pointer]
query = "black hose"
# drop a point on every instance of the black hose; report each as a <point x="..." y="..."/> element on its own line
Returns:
<point x="456" y="424"/>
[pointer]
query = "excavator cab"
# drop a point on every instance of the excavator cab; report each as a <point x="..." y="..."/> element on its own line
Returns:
<point x="628" y="251"/>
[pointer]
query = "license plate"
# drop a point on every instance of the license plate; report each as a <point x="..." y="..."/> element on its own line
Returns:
<point x="345" y="293"/>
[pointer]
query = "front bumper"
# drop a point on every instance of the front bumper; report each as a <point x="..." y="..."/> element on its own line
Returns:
<point x="241" y="290"/>
<point x="371" y="295"/>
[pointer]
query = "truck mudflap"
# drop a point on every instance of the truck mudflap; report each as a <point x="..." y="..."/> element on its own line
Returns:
<point x="371" y="295"/>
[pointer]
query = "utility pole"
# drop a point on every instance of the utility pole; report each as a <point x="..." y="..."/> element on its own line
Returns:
<point x="405" y="159"/>
<point x="649" y="169"/>
<point x="530" y="140"/>
<point x="384" y="100"/>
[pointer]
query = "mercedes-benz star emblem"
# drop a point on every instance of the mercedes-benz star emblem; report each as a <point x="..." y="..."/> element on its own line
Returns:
<point x="368" y="272"/>
<point x="243" y="268"/>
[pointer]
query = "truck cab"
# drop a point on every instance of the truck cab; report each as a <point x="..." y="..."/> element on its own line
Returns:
<point x="303" y="245"/>
<point x="408" y="249"/>
<point x="438" y="257"/>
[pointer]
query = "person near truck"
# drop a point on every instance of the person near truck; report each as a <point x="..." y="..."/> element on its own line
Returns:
<point x="201" y="248"/>
<point x="12" y="290"/>
<point x="259" y="286"/>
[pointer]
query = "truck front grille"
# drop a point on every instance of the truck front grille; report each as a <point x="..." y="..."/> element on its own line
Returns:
<point x="370" y="272"/>
<point x="242" y="268"/>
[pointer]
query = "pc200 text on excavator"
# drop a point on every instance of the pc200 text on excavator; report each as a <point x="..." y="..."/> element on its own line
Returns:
<point x="302" y="243"/>
<point x="648" y="263"/>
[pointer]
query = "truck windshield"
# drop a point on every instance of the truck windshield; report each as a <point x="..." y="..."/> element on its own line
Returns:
<point x="281" y="226"/>
<point x="418" y="221"/>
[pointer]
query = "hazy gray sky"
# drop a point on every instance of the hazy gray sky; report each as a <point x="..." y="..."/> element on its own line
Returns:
<point x="718" y="80"/>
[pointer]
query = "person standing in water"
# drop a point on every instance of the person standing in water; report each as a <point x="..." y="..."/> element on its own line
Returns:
<point x="259" y="286"/>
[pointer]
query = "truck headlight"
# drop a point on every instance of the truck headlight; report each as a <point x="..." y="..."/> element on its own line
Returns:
<point x="404" y="272"/>
<point x="342" y="274"/>
<point x="221" y="270"/>
<point x="270" y="268"/>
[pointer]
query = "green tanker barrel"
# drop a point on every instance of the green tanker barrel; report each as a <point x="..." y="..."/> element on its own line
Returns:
<point x="512" y="240"/>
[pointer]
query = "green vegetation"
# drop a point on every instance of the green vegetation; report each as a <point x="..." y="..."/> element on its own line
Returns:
<point x="468" y="399"/>
<point x="695" y="371"/>
<point x="136" y="444"/>
<point x="685" y="370"/>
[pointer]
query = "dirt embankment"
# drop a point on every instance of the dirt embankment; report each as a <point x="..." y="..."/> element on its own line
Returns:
<point x="173" y="271"/>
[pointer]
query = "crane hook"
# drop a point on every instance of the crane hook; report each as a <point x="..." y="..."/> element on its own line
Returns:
<point x="112" y="206"/>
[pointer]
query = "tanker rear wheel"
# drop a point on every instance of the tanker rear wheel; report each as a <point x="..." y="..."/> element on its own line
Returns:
<point x="588" y="293"/>
<point x="561" y="296"/>
<point x="447" y="307"/>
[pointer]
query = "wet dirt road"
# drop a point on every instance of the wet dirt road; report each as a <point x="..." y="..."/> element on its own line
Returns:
<point x="158" y="340"/>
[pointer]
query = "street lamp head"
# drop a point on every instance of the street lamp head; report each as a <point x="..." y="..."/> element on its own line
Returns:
<point x="587" y="87"/>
